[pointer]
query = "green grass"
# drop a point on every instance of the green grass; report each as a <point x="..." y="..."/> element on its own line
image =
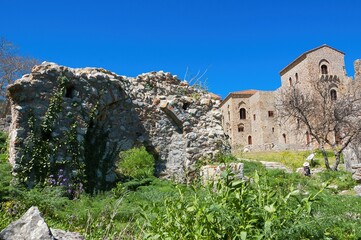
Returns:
<point x="291" y="159"/>
<point x="126" y="212"/>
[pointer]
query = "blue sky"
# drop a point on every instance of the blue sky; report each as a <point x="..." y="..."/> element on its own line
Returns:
<point x="242" y="44"/>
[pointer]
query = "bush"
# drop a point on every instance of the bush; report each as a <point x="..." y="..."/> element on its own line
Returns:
<point x="136" y="163"/>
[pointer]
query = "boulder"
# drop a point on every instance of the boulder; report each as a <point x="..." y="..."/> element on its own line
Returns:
<point x="31" y="226"/>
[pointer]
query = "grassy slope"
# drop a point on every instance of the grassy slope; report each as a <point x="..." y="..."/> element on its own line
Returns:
<point x="114" y="214"/>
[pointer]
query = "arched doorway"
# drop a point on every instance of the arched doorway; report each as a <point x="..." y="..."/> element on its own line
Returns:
<point x="249" y="140"/>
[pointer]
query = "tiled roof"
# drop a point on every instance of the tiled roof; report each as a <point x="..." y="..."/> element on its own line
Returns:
<point x="243" y="93"/>
<point x="246" y="92"/>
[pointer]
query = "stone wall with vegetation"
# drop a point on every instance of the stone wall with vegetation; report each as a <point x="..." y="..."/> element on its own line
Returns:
<point x="74" y="122"/>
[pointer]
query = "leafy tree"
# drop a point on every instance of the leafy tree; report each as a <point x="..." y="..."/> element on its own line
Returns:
<point x="12" y="67"/>
<point x="333" y="121"/>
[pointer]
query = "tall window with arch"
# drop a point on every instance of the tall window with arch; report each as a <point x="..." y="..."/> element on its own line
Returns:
<point x="324" y="69"/>
<point x="242" y="113"/>
<point x="290" y="81"/>
<point x="240" y="128"/>
<point x="249" y="140"/>
<point x="333" y="94"/>
<point x="296" y="76"/>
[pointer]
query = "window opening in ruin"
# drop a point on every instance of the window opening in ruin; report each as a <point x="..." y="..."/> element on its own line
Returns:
<point x="298" y="123"/>
<point x="290" y="81"/>
<point x="69" y="92"/>
<point x="333" y="94"/>
<point x="308" y="141"/>
<point x="242" y="113"/>
<point x="229" y="116"/>
<point x="240" y="128"/>
<point x="186" y="105"/>
<point x="249" y="140"/>
<point x="296" y="76"/>
<point x="324" y="69"/>
<point x="284" y="137"/>
<point x="337" y="138"/>
<point x="270" y="114"/>
<point x="254" y="116"/>
<point x="273" y="129"/>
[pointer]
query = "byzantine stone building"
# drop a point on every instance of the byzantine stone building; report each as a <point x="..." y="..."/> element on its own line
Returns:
<point x="250" y="118"/>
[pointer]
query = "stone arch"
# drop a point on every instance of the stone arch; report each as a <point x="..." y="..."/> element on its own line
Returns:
<point x="241" y="103"/>
<point x="324" y="66"/>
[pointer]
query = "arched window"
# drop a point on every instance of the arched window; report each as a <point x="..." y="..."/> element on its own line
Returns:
<point x="249" y="140"/>
<point x="324" y="69"/>
<point x="242" y="113"/>
<point x="284" y="137"/>
<point x="240" y="128"/>
<point x="290" y="81"/>
<point x="308" y="141"/>
<point x="333" y="94"/>
<point x="296" y="76"/>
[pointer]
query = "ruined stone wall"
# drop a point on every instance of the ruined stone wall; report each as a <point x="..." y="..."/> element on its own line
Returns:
<point x="97" y="113"/>
<point x="357" y="67"/>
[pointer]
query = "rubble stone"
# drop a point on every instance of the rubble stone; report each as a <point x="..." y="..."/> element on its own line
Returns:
<point x="31" y="226"/>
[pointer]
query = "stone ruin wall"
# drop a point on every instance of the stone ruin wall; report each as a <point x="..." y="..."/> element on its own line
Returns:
<point x="109" y="113"/>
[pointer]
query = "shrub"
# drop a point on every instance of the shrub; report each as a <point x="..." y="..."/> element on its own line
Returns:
<point x="230" y="210"/>
<point x="343" y="180"/>
<point x="136" y="163"/>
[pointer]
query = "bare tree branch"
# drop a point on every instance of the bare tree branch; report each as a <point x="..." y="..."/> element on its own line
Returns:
<point x="12" y="67"/>
<point x="333" y="121"/>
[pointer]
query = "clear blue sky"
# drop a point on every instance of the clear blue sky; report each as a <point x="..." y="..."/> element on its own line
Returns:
<point x="243" y="44"/>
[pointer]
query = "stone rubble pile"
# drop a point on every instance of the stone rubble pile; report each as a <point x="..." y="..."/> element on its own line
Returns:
<point x="177" y="123"/>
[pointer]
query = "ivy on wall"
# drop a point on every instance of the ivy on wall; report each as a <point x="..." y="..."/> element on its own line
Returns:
<point x="38" y="165"/>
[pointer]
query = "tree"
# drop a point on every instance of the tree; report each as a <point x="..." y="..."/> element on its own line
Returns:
<point x="332" y="120"/>
<point x="12" y="67"/>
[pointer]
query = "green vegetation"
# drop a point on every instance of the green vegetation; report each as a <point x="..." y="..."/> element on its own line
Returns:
<point x="291" y="159"/>
<point x="136" y="163"/>
<point x="270" y="204"/>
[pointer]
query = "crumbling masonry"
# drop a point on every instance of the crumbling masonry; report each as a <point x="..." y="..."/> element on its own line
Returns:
<point x="84" y="117"/>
